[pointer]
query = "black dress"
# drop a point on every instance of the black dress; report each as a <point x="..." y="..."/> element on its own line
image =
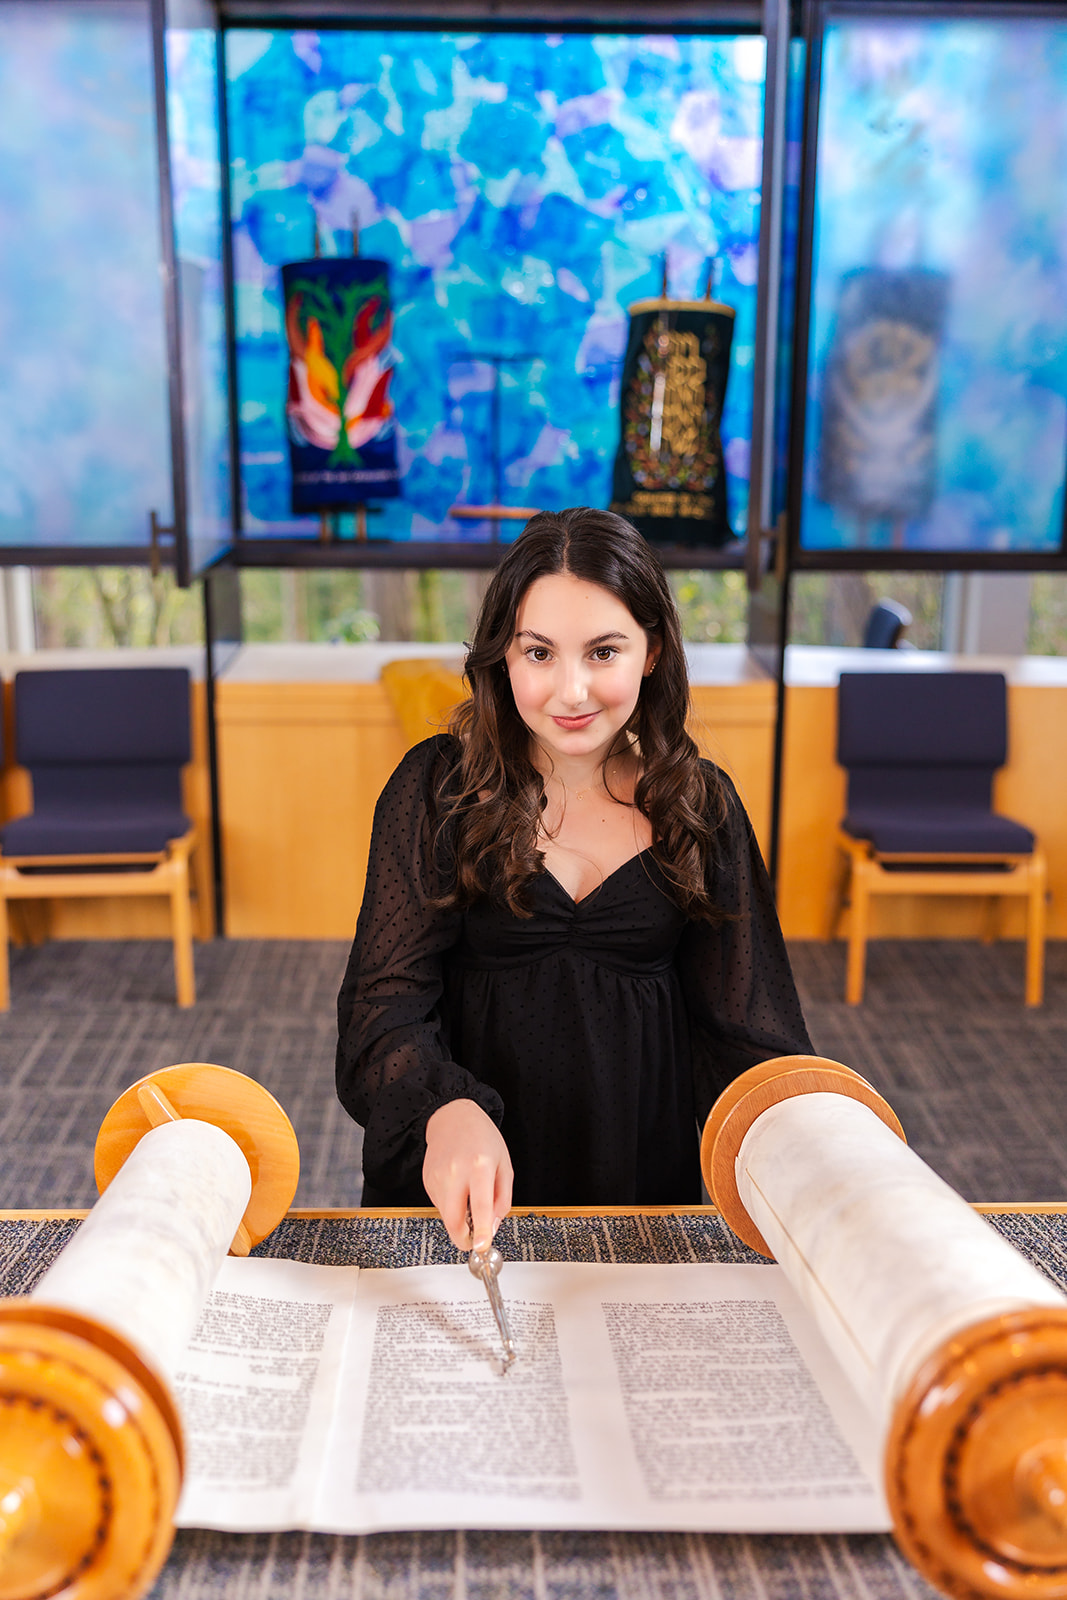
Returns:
<point x="596" y="1034"/>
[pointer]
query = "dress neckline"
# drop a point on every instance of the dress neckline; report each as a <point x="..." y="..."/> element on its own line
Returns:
<point x="602" y="885"/>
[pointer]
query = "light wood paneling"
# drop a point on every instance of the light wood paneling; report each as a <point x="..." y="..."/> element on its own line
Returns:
<point x="813" y="805"/>
<point x="732" y="723"/>
<point x="1032" y="788"/>
<point x="300" y="768"/>
<point x="734" y="726"/>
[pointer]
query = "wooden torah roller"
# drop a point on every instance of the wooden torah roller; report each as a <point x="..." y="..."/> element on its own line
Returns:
<point x="192" y="1161"/>
<point x="956" y="1342"/>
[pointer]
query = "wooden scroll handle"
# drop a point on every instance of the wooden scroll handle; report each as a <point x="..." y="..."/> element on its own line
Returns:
<point x="236" y="1104"/>
<point x="90" y="1460"/>
<point x="754" y="1092"/>
<point x="90" y="1440"/>
<point x="976" y="1460"/>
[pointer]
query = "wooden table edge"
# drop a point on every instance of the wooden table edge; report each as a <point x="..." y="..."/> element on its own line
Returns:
<point x="339" y="1213"/>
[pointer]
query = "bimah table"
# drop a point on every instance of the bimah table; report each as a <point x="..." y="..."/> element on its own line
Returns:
<point x="452" y="1565"/>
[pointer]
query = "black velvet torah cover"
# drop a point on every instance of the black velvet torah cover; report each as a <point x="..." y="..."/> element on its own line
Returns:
<point x="670" y="475"/>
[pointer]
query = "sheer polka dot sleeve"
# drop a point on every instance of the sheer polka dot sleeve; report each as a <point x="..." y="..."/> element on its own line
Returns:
<point x="394" y="1068"/>
<point x="738" y="985"/>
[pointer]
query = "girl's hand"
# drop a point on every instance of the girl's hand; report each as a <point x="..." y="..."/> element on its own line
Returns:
<point x="467" y="1161"/>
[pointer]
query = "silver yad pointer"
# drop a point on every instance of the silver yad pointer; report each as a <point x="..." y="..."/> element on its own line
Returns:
<point x="486" y="1265"/>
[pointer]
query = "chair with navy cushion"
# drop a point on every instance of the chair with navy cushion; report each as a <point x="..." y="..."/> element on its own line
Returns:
<point x="885" y="625"/>
<point x="921" y="750"/>
<point x="105" y="750"/>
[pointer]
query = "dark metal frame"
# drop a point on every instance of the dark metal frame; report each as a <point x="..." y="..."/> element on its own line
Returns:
<point x="667" y="16"/>
<point x="186" y="568"/>
<point x="815" y="17"/>
<point x="229" y="293"/>
<point x="421" y="555"/>
<point x="761" y="463"/>
<point x="171" y="299"/>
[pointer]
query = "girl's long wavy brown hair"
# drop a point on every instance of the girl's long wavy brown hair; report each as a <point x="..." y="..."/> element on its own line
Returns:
<point x="490" y="806"/>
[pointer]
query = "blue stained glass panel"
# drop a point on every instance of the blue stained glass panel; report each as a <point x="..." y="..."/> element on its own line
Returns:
<point x="84" y="441"/>
<point x="936" y="414"/>
<point x="524" y="189"/>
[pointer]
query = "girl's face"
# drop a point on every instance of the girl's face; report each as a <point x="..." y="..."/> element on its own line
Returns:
<point x="576" y="663"/>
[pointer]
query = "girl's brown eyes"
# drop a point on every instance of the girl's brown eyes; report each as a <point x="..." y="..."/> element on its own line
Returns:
<point x="538" y="653"/>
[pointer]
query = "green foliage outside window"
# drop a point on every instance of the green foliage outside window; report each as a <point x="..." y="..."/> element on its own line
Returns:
<point x="114" y="607"/>
<point x="1048" y="615"/>
<point x="713" y="606"/>
<point x="101" y="608"/>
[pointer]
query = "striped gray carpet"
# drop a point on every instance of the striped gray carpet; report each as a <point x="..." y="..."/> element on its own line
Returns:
<point x="977" y="1080"/>
<point x="89" y="1018"/>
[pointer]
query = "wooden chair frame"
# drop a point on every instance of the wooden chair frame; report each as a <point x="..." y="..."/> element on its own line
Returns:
<point x="166" y="874"/>
<point x="992" y="876"/>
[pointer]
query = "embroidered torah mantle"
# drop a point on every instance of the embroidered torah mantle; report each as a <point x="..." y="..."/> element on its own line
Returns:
<point x="878" y="441"/>
<point x="670" y="479"/>
<point x="339" y="324"/>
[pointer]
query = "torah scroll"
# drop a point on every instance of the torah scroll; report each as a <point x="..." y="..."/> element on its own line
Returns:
<point x="191" y="1162"/>
<point x="956" y="1342"/>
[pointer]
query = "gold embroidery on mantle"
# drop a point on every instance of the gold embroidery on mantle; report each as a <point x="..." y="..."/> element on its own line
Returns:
<point x="665" y="503"/>
<point x="669" y="426"/>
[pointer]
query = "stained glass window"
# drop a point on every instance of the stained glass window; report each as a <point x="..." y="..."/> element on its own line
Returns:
<point x="84" y="442"/>
<point x="936" y="406"/>
<point x="523" y="190"/>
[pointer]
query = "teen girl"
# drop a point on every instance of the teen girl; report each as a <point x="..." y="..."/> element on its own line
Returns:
<point x="567" y="945"/>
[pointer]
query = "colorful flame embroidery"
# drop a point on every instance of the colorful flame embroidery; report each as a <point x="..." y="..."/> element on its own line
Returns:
<point x="338" y="364"/>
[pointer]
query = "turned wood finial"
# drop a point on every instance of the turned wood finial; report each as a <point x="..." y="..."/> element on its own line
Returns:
<point x="231" y="1101"/>
<point x="976" y="1460"/>
<point x="754" y="1092"/>
<point x="90" y="1460"/>
<point x="91" y="1453"/>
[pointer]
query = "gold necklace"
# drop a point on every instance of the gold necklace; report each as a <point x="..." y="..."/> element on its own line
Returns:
<point x="580" y="794"/>
<point x="600" y="784"/>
